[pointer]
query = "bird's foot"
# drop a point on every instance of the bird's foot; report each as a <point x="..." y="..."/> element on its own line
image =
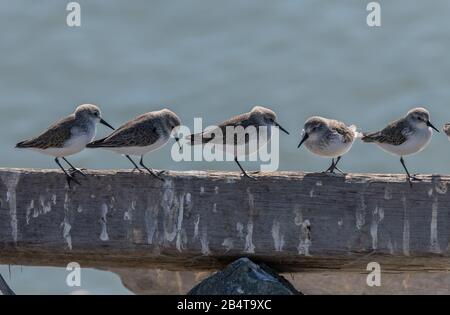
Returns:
<point x="156" y="175"/>
<point x="329" y="170"/>
<point x="161" y="172"/>
<point x="415" y="178"/>
<point x="412" y="179"/>
<point x="244" y="174"/>
<point x="73" y="171"/>
<point x="137" y="169"/>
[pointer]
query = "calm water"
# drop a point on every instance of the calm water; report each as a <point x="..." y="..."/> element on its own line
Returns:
<point x="215" y="59"/>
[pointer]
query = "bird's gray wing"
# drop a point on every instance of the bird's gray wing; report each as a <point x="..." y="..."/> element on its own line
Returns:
<point x="346" y="133"/>
<point x="138" y="132"/>
<point x="395" y="133"/>
<point x="54" y="137"/>
<point x="222" y="134"/>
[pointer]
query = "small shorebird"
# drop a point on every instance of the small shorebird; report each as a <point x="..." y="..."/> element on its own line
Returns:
<point x="328" y="138"/>
<point x="141" y="135"/>
<point x="447" y="130"/>
<point x="240" y="142"/>
<point x="68" y="136"/>
<point x="405" y="136"/>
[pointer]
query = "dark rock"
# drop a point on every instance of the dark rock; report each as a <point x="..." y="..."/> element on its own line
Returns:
<point x="244" y="277"/>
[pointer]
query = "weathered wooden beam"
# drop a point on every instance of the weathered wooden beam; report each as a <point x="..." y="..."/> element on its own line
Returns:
<point x="204" y="220"/>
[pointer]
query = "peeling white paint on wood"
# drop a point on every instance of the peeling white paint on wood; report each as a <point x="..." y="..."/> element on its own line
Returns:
<point x="441" y="187"/>
<point x="103" y="221"/>
<point x="151" y="222"/>
<point x="249" y="246"/>
<point x="10" y="181"/>
<point x="387" y="193"/>
<point x="30" y="209"/>
<point x="377" y="217"/>
<point x="278" y="237"/>
<point x="240" y="230"/>
<point x="304" y="238"/>
<point x="128" y="214"/>
<point x="434" y="244"/>
<point x="180" y="241"/>
<point x="361" y="213"/>
<point x="228" y="244"/>
<point x="67" y="227"/>
<point x="204" y="241"/>
<point x="196" y="223"/>
<point x="406" y="232"/>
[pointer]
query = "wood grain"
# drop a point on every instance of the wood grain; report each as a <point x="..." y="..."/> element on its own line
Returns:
<point x="204" y="220"/>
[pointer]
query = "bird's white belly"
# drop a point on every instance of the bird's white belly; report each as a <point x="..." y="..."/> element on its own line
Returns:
<point x="75" y="144"/>
<point x="332" y="150"/>
<point x="415" y="143"/>
<point x="141" y="150"/>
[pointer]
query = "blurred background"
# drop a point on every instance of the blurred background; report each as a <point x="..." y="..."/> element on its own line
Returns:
<point x="215" y="59"/>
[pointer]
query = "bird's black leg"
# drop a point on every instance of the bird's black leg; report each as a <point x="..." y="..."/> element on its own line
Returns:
<point x="69" y="177"/>
<point x="135" y="165"/>
<point x="410" y="178"/>
<point x="242" y="169"/>
<point x="336" y="163"/>
<point x="73" y="168"/>
<point x="331" y="168"/>
<point x="141" y="162"/>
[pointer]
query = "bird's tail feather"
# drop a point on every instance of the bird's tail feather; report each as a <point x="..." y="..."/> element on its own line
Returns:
<point x="23" y="144"/>
<point x="196" y="138"/>
<point x="369" y="137"/>
<point x="96" y="143"/>
<point x="355" y="130"/>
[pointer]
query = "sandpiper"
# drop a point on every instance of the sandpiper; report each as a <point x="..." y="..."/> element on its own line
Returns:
<point x="141" y="135"/>
<point x="447" y="130"/>
<point x="405" y="136"/>
<point x="328" y="138"/>
<point x="68" y="136"/>
<point x="244" y="141"/>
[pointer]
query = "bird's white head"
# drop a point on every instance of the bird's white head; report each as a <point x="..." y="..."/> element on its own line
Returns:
<point x="265" y="117"/>
<point x="420" y="118"/>
<point x="92" y="113"/>
<point x="315" y="127"/>
<point x="170" y="121"/>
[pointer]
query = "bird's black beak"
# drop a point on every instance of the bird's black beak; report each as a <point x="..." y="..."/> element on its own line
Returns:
<point x="106" y="124"/>
<point x="305" y="137"/>
<point x="178" y="141"/>
<point x="429" y="124"/>
<point x="281" y="128"/>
